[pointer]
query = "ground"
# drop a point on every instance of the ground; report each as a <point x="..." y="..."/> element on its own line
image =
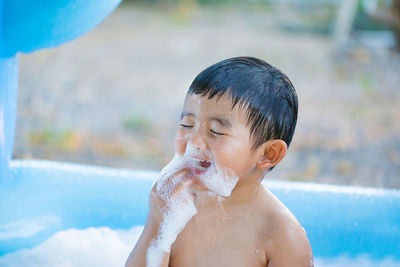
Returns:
<point x="113" y="96"/>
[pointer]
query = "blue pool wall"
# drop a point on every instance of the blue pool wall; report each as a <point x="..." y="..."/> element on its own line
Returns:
<point x="30" y="25"/>
<point x="39" y="198"/>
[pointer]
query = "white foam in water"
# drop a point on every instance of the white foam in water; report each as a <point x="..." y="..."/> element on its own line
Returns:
<point x="73" y="248"/>
<point x="181" y="208"/>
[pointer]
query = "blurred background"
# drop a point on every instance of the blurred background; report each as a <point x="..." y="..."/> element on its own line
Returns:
<point x="113" y="97"/>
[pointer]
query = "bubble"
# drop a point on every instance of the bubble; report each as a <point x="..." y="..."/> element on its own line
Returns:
<point x="217" y="179"/>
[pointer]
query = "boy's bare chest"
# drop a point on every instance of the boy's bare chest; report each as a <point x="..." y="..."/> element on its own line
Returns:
<point x="218" y="241"/>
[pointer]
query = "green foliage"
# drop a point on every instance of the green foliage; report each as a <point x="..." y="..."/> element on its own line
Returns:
<point x="363" y="21"/>
<point x="308" y="17"/>
<point x="138" y="123"/>
<point x="66" y="139"/>
<point x="179" y="1"/>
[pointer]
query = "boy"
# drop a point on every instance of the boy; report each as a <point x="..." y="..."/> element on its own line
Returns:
<point x="209" y="207"/>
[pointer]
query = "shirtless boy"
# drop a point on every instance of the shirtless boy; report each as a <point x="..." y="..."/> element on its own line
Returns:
<point x="237" y="122"/>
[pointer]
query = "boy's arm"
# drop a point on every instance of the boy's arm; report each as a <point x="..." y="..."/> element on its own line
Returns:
<point x="154" y="221"/>
<point x="137" y="258"/>
<point x="291" y="249"/>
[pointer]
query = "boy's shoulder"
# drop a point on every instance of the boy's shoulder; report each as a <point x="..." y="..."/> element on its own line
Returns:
<point x="285" y="239"/>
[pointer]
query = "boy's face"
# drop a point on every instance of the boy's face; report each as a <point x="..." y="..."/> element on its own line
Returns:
<point x="214" y="129"/>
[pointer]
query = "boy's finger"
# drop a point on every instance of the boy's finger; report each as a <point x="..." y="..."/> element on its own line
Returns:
<point x="173" y="176"/>
<point x="185" y="183"/>
<point x="172" y="182"/>
<point x="182" y="172"/>
<point x="199" y="186"/>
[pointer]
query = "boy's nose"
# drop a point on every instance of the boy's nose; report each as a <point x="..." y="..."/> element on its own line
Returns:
<point x="198" y="141"/>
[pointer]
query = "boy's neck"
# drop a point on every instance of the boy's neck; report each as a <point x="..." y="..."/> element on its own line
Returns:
<point x="243" y="196"/>
<point x="245" y="191"/>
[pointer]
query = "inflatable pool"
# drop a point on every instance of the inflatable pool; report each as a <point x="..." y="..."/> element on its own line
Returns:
<point x="40" y="198"/>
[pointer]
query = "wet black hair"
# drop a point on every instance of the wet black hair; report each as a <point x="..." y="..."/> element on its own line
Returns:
<point x="264" y="92"/>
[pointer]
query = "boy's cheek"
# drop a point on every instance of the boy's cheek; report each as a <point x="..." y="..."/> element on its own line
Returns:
<point x="180" y="143"/>
<point x="179" y="149"/>
<point x="237" y="164"/>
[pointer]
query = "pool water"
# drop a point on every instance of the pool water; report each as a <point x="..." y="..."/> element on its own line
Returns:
<point x="103" y="246"/>
<point x="99" y="246"/>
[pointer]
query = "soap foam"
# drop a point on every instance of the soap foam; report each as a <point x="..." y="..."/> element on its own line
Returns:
<point x="217" y="179"/>
<point x="180" y="208"/>
<point x="99" y="246"/>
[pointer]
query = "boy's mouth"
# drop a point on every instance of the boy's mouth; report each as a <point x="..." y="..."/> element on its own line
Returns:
<point x="201" y="167"/>
<point x="204" y="164"/>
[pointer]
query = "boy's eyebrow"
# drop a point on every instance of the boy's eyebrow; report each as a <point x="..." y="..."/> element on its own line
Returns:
<point x="185" y="113"/>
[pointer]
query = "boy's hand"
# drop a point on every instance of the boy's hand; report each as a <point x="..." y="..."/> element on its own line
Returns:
<point x="169" y="189"/>
<point x="165" y="189"/>
<point x="171" y="207"/>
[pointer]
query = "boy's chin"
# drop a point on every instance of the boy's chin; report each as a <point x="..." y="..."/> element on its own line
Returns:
<point x="198" y="171"/>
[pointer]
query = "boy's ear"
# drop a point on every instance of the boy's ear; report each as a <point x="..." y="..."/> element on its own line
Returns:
<point x="273" y="151"/>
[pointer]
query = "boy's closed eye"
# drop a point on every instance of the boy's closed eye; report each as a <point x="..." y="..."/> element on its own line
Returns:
<point x="216" y="133"/>
<point x="216" y="123"/>
<point x="220" y="126"/>
<point x="211" y="130"/>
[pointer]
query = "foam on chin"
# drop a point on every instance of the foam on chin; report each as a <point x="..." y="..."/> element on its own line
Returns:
<point x="217" y="179"/>
<point x="180" y="208"/>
